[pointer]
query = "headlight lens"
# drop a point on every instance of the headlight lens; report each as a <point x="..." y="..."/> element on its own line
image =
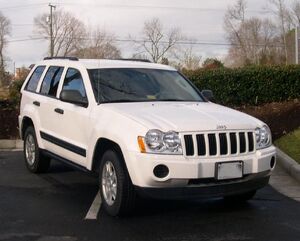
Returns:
<point x="163" y="142"/>
<point x="263" y="137"/>
<point x="154" y="140"/>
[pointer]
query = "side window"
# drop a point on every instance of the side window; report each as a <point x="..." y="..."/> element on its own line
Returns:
<point x="74" y="81"/>
<point x="51" y="81"/>
<point x="34" y="79"/>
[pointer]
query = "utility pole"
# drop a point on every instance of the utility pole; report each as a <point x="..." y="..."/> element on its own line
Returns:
<point x="297" y="45"/>
<point x="51" y="29"/>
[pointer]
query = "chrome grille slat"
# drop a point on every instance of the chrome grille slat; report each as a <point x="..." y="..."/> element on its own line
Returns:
<point x="223" y="143"/>
<point x="238" y="143"/>
<point x="228" y="143"/>
<point x="206" y="144"/>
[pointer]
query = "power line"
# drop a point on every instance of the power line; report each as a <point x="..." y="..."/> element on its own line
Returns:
<point x="158" y="7"/>
<point x="23" y="6"/>
<point x="199" y="42"/>
<point x="22" y="24"/>
<point x="25" y="39"/>
<point x="131" y="7"/>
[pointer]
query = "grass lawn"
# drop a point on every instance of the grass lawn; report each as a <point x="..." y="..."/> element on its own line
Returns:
<point x="290" y="144"/>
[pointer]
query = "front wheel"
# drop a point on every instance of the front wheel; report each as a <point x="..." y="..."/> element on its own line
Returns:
<point x="116" y="190"/>
<point x="240" y="198"/>
<point x="35" y="161"/>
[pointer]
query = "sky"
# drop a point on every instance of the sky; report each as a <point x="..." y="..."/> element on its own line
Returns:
<point x="201" y="20"/>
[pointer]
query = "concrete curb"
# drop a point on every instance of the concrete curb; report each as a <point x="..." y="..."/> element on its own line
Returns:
<point x="11" y="144"/>
<point x="289" y="164"/>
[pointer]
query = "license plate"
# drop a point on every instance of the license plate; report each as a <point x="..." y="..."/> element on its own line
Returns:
<point x="229" y="170"/>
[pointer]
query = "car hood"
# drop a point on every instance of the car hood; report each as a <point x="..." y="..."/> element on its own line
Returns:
<point x="186" y="116"/>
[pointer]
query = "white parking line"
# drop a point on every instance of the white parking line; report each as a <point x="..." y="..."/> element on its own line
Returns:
<point x="94" y="209"/>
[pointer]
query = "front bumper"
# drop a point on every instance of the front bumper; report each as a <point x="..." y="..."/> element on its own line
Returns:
<point x="213" y="189"/>
<point x="182" y="169"/>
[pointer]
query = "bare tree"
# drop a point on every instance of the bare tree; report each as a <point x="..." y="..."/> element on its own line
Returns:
<point x="99" y="45"/>
<point x="186" y="57"/>
<point x="157" y="42"/>
<point x="191" y="60"/>
<point x="68" y="32"/>
<point x="234" y="17"/>
<point x="280" y="10"/>
<point x="5" y="29"/>
<point x="260" y="43"/>
<point x="296" y="12"/>
<point x="253" y="40"/>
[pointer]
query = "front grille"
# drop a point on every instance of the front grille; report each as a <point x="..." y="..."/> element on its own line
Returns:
<point x="220" y="143"/>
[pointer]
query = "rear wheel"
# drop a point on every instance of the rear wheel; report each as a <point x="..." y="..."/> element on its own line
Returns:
<point x="35" y="161"/>
<point x="240" y="198"/>
<point x="117" y="192"/>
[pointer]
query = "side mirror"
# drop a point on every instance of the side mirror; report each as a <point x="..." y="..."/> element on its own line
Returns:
<point x="208" y="94"/>
<point x="74" y="97"/>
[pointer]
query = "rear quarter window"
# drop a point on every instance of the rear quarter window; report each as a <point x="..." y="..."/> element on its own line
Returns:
<point x="34" y="79"/>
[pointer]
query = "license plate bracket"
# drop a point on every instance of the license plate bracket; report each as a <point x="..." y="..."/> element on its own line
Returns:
<point x="229" y="170"/>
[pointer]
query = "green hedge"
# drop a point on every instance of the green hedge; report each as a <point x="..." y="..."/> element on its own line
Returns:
<point x="251" y="85"/>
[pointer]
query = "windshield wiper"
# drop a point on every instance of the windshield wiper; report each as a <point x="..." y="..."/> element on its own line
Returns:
<point x="170" y="100"/>
<point x="119" y="101"/>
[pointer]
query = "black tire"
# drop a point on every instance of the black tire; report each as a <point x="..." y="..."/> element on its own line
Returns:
<point x="39" y="163"/>
<point x="124" y="201"/>
<point x="240" y="198"/>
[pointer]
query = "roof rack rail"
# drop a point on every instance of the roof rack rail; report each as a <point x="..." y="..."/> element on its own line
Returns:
<point x="59" y="57"/>
<point x="137" y="60"/>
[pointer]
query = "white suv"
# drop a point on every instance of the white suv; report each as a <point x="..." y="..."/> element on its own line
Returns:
<point x="144" y="128"/>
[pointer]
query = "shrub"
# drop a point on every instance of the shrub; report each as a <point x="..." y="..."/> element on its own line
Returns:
<point x="16" y="85"/>
<point x="250" y="85"/>
<point x="212" y="63"/>
<point x="14" y="92"/>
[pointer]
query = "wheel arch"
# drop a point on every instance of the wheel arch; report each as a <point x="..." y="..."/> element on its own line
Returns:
<point x="102" y="145"/>
<point x="26" y="122"/>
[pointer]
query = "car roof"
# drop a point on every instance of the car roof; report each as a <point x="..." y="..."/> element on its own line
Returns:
<point x="105" y="63"/>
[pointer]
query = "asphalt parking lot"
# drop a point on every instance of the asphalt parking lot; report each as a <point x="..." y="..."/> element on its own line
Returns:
<point x="54" y="206"/>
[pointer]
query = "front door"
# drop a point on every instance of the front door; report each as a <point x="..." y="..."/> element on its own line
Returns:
<point x="72" y="131"/>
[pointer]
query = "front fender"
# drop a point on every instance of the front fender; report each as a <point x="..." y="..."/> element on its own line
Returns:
<point x="119" y="129"/>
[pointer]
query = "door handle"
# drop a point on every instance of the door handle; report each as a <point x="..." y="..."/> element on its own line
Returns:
<point x="36" y="103"/>
<point x="59" y="111"/>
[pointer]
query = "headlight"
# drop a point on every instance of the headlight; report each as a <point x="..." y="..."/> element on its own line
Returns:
<point x="154" y="140"/>
<point x="157" y="141"/>
<point x="263" y="137"/>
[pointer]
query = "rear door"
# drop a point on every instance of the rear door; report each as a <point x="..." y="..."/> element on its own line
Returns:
<point x="48" y="102"/>
<point x="31" y="101"/>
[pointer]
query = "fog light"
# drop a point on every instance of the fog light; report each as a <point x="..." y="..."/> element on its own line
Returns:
<point x="161" y="171"/>
<point x="272" y="162"/>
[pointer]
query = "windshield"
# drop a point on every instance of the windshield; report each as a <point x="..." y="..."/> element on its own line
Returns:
<point x="138" y="85"/>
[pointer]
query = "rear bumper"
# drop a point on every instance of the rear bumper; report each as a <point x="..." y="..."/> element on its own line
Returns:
<point x="212" y="189"/>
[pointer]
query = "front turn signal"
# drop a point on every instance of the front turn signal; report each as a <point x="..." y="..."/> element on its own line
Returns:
<point x="141" y="144"/>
